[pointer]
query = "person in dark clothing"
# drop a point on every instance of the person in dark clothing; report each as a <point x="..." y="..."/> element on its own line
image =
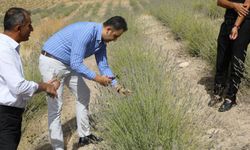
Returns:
<point x="232" y="45"/>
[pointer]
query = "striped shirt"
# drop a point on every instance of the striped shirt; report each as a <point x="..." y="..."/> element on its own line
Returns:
<point x="77" y="41"/>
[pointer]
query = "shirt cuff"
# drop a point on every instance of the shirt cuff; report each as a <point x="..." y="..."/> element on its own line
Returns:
<point x="33" y="89"/>
<point x="114" y="83"/>
<point x="91" y="75"/>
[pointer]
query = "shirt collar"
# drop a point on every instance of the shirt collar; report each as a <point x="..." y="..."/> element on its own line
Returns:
<point x="99" y="33"/>
<point x="10" y="41"/>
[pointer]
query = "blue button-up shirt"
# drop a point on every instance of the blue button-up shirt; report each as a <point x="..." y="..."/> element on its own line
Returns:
<point x="77" y="41"/>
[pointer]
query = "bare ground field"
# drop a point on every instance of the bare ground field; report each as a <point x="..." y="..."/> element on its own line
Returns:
<point x="229" y="130"/>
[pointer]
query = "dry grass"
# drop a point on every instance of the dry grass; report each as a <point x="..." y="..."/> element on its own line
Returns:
<point x="155" y="115"/>
<point x="40" y="34"/>
<point x="30" y="52"/>
<point x="191" y="25"/>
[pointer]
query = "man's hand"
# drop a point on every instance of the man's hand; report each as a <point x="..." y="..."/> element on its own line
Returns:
<point x="241" y="9"/>
<point x="55" y="82"/>
<point x="246" y="5"/>
<point x="234" y="33"/>
<point x="49" y="88"/>
<point x="103" y="80"/>
<point x="122" y="90"/>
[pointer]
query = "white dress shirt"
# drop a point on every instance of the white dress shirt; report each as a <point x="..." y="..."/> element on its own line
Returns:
<point x="14" y="89"/>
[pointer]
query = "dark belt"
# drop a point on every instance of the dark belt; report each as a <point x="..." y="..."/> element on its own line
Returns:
<point x="51" y="56"/>
<point x="11" y="110"/>
<point x="48" y="54"/>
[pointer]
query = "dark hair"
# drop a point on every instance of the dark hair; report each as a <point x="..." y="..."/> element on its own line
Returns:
<point x="15" y="16"/>
<point x="117" y="22"/>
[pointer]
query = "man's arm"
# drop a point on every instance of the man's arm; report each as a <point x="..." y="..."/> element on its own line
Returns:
<point x="238" y="7"/>
<point x="50" y="87"/>
<point x="240" y="19"/>
<point x="15" y="80"/>
<point x="226" y="4"/>
<point x="238" y="22"/>
<point x="102" y="63"/>
<point x="79" y="47"/>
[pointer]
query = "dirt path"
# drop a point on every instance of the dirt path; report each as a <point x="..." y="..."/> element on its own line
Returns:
<point x="36" y="135"/>
<point x="229" y="130"/>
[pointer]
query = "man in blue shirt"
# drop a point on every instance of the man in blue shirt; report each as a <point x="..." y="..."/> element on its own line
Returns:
<point x="63" y="53"/>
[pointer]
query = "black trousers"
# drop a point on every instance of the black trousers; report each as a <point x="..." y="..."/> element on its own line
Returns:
<point x="231" y="56"/>
<point x="10" y="127"/>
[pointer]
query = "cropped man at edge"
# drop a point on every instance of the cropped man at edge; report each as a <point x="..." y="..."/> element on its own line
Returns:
<point x="64" y="52"/>
<point x="14" y="89"/>
<point x="233" y="41"/>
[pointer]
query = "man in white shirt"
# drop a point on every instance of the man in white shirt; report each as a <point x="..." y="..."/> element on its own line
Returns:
<point x="14" y="89"/>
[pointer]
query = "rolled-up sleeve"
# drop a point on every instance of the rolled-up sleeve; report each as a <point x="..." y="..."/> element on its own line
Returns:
<point x="102" y="62"/>
<point x="79" y="47"/>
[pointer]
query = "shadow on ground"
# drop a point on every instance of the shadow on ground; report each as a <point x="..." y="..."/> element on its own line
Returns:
<point x="68" y="129"/>
<point x="242" y="96"/>
<point x="208" y="83"/>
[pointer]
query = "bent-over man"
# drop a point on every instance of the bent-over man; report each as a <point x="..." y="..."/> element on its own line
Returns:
<point x="64" y="52"/>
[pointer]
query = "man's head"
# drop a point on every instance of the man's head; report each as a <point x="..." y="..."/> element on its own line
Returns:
<point x="17" y="23"/>
<point x="113" y="28"/>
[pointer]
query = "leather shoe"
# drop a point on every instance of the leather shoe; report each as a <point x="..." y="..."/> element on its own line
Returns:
<point x="90" y="139"/>
<point x="227" y="105"/>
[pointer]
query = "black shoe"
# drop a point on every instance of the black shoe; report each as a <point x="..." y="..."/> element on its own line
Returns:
<point x="227" y="105"/>
<point x="215" y="100"/>
<point x="90" y="139"/>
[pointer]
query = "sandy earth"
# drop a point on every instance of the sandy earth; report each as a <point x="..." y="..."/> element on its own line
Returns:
<point x="229" y="130"/>
<point x="36" y="135"/>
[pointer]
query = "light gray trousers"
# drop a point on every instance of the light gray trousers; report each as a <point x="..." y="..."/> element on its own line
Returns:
<point x="48" y="67"/>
